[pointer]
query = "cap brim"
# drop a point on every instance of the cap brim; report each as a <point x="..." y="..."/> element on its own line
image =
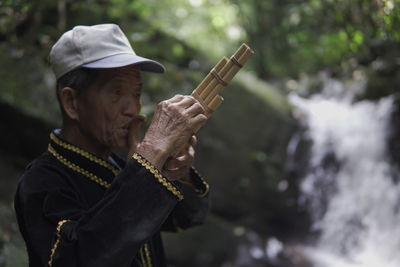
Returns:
<point x="122" y="60"/>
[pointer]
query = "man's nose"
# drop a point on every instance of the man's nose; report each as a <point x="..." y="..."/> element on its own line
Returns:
<point x="131" y="105"/>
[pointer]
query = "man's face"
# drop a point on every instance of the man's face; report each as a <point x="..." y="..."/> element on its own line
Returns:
<point x="109" y="107"/>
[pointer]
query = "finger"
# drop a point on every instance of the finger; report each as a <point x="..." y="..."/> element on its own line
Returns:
<point x="195" y="109"/>
<point x="183" y="151"/>
<point x="191" y="151"/>
<point x="172" y="100"/>
<point x="140" y="118"/>
<point x="175" y="99"/>
<point x="183" y="161"/>
<point x="174" y="164"/>
<point x="193" y="141"/>
<point x="186" y="102"/>
<point x="198" y="121"/>
<point x="187" y="160"/>
<point x="171" y="164"/>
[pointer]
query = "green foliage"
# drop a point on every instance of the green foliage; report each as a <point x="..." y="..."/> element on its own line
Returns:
<point x="289" y="36"/>
<point x="292" y="36"/>
<point x="208" y="26"/>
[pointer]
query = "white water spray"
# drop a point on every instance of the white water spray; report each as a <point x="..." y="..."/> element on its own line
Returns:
<point x="356" y="205"/>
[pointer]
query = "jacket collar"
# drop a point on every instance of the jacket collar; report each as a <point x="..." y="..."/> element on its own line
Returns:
<point x="83" y="162"/>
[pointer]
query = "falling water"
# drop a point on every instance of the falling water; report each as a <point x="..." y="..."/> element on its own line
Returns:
<point x="352" y="195"/>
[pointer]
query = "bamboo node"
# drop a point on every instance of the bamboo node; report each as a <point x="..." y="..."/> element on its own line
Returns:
<point x="235" y="61"/>
<point x="218" y="77"/>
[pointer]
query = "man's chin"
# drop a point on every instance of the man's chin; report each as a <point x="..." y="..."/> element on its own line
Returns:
<point x="121" y="146"/>
<point x="124" y="145"/>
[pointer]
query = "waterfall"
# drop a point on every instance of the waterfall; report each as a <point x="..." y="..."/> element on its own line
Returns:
<point x="353" y="198"/>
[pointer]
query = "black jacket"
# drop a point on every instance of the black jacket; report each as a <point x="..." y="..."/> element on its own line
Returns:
<point x="77" y="210"/>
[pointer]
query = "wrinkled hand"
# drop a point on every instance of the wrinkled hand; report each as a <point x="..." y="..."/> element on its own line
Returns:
<point x="178" y="167"/>
<point x="172" y="126"/>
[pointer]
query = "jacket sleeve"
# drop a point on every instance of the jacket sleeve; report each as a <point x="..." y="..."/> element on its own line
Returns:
<point x="193" y="209"/>
<point x="63" y="231"/>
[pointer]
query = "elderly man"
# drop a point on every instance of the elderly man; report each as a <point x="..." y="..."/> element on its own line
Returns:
<point x="79" y="204"/>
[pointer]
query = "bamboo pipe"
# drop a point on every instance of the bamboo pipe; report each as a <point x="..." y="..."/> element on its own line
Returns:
<point x="239" y="52"/>
<point x="214" y="82"/>
<point x="227" y="77"/>
<point x="234" y="68"/>
<point x="214" y="104"/>
<point x="225" y="69"/>
<point x="207" y="92"/>
<point x="209" y="76"/>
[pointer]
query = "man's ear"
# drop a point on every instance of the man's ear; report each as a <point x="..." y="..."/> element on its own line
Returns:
<point x="69" y="102"/>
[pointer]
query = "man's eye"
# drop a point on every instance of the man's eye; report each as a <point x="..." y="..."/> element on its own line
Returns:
<point x="138" y="95"/>
<point x="117" y="92"/>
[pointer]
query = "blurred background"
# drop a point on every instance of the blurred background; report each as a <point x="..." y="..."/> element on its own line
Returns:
<point x="302" y="156"/>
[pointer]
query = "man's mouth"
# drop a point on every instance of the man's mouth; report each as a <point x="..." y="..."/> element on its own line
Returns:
<point x="126" y="127"/>
<point x="136" y="120"/>
<point x="125" y="130"/>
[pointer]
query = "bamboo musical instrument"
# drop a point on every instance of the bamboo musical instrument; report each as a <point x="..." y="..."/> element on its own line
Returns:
<point x="209" y="90"/>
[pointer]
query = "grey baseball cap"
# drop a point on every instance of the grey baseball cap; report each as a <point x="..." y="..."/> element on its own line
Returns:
<point x="98" y="46"/>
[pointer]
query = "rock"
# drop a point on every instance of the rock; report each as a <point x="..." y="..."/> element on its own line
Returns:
<point x="242" y="153"/>
<point x="222" y="243"/>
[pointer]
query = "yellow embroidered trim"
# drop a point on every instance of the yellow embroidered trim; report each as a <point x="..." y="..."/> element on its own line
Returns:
<point x="84" y="153"/>
<point x="58" y="234"/>
<point x="206" y="185"/>
<point x="142" y="258"/>
<point x="147" y="252"/>
<point x="157" y="175"/>
<point x="78" y="169"/>
<point x="145" y="255"/>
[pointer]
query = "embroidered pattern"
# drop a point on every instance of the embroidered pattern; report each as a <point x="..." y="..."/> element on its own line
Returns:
<point x="157" y="175"/>
<point x="78" y="169"/>
<point x="145" y="250"/>
<point x="145" y="255"/>
<point x="83" y="153"/>
<point x="202" y="193"/>
<point x="58" y="235"/>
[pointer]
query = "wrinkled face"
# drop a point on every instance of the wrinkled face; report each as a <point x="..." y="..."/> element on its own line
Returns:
<point x="110" y="106"/>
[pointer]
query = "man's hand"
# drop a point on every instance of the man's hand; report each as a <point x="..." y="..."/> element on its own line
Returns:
<point x="172" y="126"/>
<point x="178" y="168"/>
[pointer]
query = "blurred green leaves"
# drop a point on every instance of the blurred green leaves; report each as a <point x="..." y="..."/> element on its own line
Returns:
<point x="290" y="37"/>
